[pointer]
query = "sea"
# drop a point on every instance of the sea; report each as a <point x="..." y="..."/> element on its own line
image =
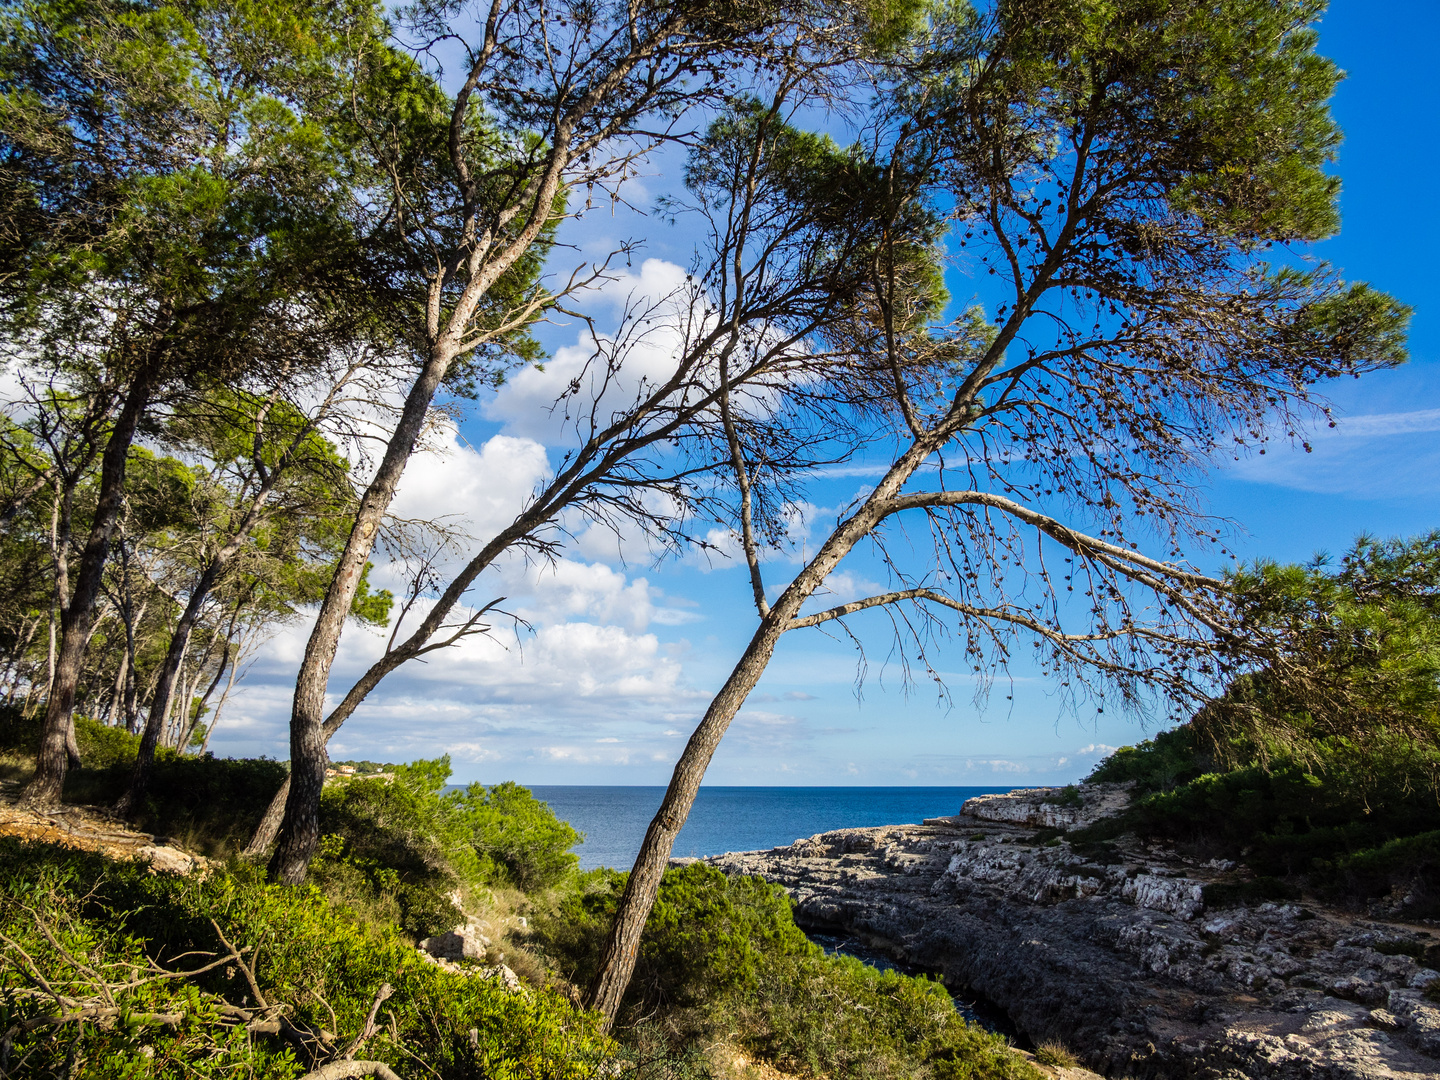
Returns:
<point x="613" y="820"/>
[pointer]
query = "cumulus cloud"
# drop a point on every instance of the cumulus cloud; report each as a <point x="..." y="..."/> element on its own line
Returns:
<point x="587" y="658"/>
<point x="483" y="699"/>
<point x="477" y="490"/>
<point x="527" y="404"/>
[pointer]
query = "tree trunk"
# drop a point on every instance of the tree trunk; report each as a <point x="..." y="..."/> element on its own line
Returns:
<point x="117" y="695"/>
<point x="220" y="705"/>
<point x="50" y="765"/>
<point x="269" y="825"/>
<point x="617" y="962"/>
<point x="199" y="709"/>
<point x="300" y="826"/>
<point x="12" y="671"/>
<point x="174" y="708"/>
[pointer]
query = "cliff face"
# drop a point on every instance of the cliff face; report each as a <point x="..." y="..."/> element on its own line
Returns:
<point x="1112" y="949"/>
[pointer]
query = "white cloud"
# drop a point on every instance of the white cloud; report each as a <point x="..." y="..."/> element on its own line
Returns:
<point x="530" y="404"/>
<point x="1369" y="456"/>
<point x="1401" y="423"/>
<point x="1093" y="749"/>
<point x="997" y="765"/>
<point x="485" y="699"/>
<point x="480" y="491"/>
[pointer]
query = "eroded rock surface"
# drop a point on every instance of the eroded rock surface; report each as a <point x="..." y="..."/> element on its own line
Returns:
<point x="1111" y="949"/>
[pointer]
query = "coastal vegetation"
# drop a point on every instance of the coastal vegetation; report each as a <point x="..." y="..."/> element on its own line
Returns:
<point x="112" y="970"/>
<point x="251" y="253"/>
<point x="1320" y="769"/>
<point x="220" y="970"/>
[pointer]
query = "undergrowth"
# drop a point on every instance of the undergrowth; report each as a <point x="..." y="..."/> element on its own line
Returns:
<point x="83" y="935"/>
<point x="722" y="958"/>
<point x="1319" y="770"/>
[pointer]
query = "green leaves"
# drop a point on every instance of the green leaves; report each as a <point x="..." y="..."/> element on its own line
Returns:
<point x="1329" y="749"/>
<point x="1358" y="647"/>
<point x="1219" y="108"/>
<point x="401" y="839"/>
<point x="518" y="835"/>
<point x="84" y="921"/>
<point x="722" y="958"/>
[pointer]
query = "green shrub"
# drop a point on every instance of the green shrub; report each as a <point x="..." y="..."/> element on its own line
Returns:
<point x="100" y="746"/>
<point x="396" y="846"/>
<point x="1232" y="894"/>
<point x="722" y="958"/>
<point x="103" y="747"/>
<point x="210" y="804"/>
<point x="17" y="732"/>
<point x="1158" y="764"/>
<point x="399" y="846"/>
<point x="78" y="920"/>
<point x="519" y="835"/>
<point x="1408" y="866"/>
<point x="1069" y="796"/>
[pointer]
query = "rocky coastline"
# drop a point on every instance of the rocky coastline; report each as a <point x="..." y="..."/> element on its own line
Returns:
<point x="1113" y="949"/>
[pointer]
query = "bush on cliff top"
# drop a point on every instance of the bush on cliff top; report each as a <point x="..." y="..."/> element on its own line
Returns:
<point x="1326" y="762"/>
<point x="722" y="957"/>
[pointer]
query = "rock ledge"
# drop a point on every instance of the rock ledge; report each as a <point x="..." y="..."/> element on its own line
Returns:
<point x="1110" y="947"/>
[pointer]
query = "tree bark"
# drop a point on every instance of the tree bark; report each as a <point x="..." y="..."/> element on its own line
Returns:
<point x="617" y="962"/>
<point x="199" y="709"/>
<point x="300" y="826"/>
<point x="233" y="661"/>
<point x="53" y="759"/>
<point x="117" y="694"/>
<point x="164" y="692"/>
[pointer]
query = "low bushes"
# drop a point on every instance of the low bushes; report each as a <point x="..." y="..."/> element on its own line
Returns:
<point x="1311" y="824"/>
<point x="722" y="958"/>
<point x="400" y="845"/>
<point x="111" y="936"/>
<point x="1321" y="767"/>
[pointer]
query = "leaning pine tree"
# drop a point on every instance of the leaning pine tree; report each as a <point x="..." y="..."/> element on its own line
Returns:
<point x="556" y="99"/>
<point x="1114" y="174"/>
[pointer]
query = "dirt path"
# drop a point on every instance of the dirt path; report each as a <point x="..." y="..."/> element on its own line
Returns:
<point x="90" y="829"/>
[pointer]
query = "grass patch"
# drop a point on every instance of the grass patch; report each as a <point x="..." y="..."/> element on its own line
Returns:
<point x="1055" y="1054"/>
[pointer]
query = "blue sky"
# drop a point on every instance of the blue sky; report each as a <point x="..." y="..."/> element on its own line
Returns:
<point x="626" y="654"/>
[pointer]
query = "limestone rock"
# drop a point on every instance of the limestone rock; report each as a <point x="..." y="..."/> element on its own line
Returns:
<point x="1051" y="808"/>
<point x="504" y="976"/>
<point x="465" y="942"/>
<point x="1109" y="949"/>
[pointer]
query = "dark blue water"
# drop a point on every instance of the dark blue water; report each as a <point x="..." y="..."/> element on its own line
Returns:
<point x="970" y="1005"/>
<point x="614" y="819"/>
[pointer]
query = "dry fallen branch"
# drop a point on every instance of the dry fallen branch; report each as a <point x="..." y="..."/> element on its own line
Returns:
<point x="83" y="993"/>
